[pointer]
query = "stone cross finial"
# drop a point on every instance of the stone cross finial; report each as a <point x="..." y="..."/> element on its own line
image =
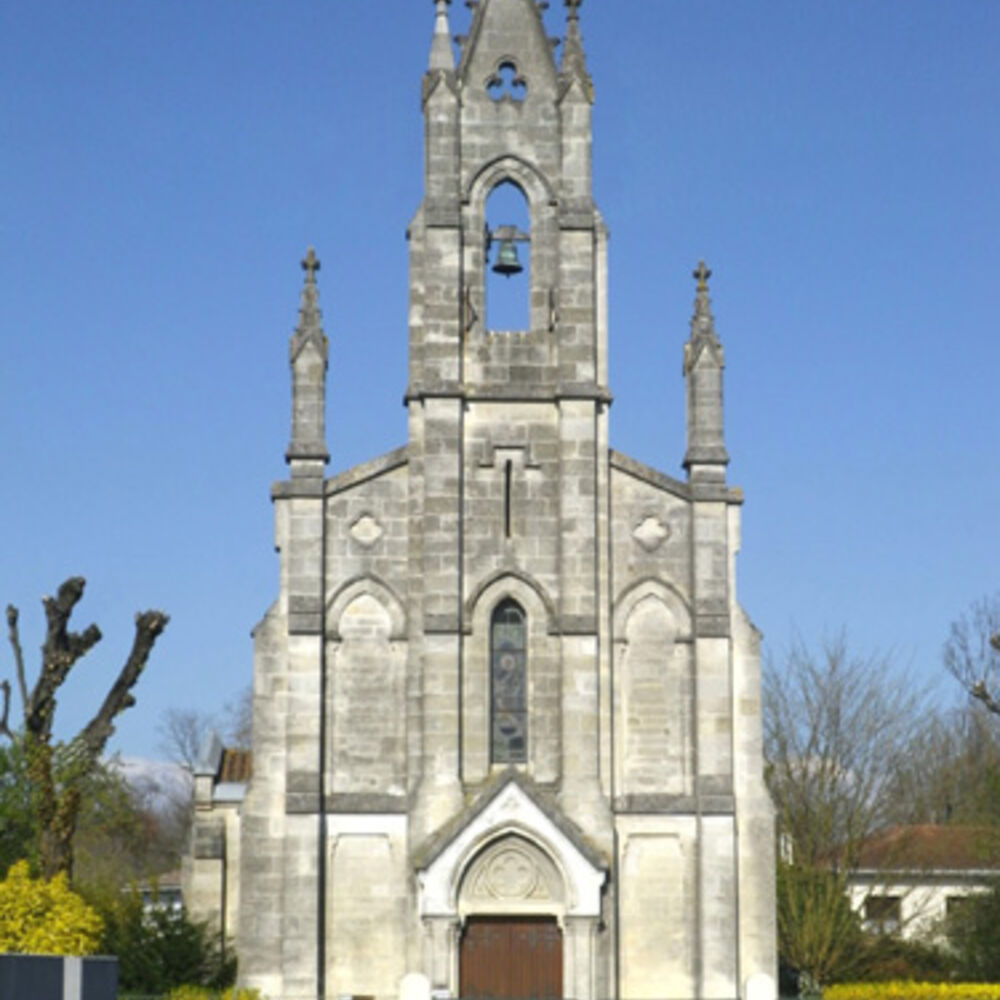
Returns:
<point x="702" y="323"/>
<point x="574" y="8"/>
<point x="310" y="265"/>
<point x="701" y="274"/>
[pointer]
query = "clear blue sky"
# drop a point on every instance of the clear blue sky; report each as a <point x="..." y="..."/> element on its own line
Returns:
<point x="163" y="166"/>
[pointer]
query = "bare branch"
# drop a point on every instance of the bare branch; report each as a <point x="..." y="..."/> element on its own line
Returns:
<point x="951" y="769"/>
<point x="60" y="651"/>
<point x="980" y="692"/>
<point x="15" y="644"/>
<point x="182" y="734"/>
<point x="97" y="732"/>
<point x="239" y="720"/>
<point x="972" y="652"/>
<point x="57" y="796"/>
<point x="836" y="726"/>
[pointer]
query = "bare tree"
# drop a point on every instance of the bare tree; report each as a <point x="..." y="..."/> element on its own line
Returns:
<point x="952" y="771"/>
<point x="239" y="720"/>
<point x="57" y="785"/>
<point x="837" y="726"/>
<point x="183" y="731"/>
<point x="972" y="652"/>
<point x="182" y="734"/>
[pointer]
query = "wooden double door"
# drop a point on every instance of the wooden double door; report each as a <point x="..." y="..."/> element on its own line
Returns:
<point x="511" y="958"/>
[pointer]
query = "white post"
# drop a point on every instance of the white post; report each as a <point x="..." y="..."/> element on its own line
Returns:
<point x="72" y="978"/>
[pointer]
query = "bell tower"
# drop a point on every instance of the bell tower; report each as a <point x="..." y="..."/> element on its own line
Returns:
<point x="508" y="426"/>
<point x="507" y="115"/>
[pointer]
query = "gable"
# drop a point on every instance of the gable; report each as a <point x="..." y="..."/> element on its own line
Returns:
<point x="511" y="809"/>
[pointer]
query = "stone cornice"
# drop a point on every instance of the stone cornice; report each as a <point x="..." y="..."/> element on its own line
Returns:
<point x="512" y="394"/>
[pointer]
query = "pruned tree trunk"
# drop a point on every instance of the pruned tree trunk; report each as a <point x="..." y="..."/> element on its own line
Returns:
<point x="56" y="797"/>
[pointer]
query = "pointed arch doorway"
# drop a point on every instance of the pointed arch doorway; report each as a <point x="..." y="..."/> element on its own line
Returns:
<point x="512" y="903"/>
<point x="511" y="944"/>
<point x="511" y="958"/>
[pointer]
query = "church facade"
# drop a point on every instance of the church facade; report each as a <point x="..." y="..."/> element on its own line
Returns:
<point x="507" y="733"/>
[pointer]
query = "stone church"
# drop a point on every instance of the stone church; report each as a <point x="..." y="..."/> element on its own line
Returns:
<point x="507" y="733"/>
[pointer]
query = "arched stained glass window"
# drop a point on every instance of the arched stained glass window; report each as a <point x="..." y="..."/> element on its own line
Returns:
<point x="508" y="685"/>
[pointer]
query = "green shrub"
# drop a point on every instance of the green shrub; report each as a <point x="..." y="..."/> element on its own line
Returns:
<point x="974" y="937"/>
<point x="818" y="932"/>
<point x="161" y="949"/>
<point x="886" y="957"/>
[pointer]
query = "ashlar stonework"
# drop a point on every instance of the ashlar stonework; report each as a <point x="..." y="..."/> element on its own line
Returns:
<point x="506" y="683"/>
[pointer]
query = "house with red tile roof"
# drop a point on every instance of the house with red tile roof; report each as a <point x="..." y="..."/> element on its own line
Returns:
<point x="909" y="878"/>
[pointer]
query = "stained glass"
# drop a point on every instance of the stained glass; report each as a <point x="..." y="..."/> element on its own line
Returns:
<point x="508" y="661"/>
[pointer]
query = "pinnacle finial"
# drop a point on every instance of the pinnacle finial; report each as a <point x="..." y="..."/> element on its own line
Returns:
<point x="442" y="56"/>
<point x="307" y="450"/>
<point x="310" y="317"/>
<point x="702" y="322"/>
<point x="310" y="264"/>
<point x="704" y="359"/>
<point x="701" y="274"/>
<point x="574" y="61"/>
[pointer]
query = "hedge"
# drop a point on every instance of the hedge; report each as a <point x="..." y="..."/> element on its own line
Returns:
<point x="201" y="993"/>
<point x="900" y="990"/>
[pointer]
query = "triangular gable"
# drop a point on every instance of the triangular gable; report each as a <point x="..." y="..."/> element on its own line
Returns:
<point x="512" y="806"/>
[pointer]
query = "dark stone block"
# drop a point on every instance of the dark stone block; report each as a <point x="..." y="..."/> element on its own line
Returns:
<point x="712" y="626"/>
<point x="345" y="802"/>
<point x="715" y="786"/>
<point x="209" y="840"/>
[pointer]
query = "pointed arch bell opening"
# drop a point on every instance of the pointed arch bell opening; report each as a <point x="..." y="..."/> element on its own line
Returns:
<point x="508" y="275"/>
<point x="508" y="684"/>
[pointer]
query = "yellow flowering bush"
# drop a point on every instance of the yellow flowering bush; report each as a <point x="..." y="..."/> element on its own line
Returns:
<point x="900" y="990"/>
<point x="201" y="993"/>
<point x="39" y="917"/>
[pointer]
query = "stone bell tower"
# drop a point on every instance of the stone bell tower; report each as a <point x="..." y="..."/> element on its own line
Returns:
<point x="507" y="427"/>
<point x="506" y="706"/>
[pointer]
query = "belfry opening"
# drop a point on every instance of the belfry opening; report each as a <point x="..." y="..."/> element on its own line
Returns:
<point x="508" y="271"/>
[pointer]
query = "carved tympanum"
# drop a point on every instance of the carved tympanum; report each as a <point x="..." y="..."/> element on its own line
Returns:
<point x="512" y="870"/>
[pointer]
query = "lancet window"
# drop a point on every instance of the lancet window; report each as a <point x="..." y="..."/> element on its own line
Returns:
<point x="508" y="684"/>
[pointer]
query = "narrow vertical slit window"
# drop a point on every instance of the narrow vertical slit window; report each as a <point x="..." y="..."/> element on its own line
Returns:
<point x="508" y="473"/>
<point x="508" y="685"/>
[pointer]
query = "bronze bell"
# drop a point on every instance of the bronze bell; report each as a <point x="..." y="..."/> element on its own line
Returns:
<point x="507" y="259"/>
